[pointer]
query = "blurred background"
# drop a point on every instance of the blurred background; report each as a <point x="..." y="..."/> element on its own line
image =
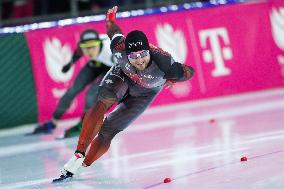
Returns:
<point x="194" y="132"/>
<point x="15" y="12"/>
<point x="38" y="37"/>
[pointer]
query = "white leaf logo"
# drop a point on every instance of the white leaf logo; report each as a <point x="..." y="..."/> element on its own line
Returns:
<point x="277" y="23"/>
<point x="181" y="89"/>
<point x="56" y="56"/>
<point x="58" y="93"/>
<point x="172" y="41"/>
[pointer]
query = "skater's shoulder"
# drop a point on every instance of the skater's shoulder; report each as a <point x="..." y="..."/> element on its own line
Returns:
<point x="157" y="51"/>
<point x="118" y="43"/>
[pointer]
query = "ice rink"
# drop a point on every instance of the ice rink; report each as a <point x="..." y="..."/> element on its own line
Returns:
<point x="197" y="144"/>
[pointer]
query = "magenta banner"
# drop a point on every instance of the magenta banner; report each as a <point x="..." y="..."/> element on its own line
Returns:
<point x="50" y="49"/>
<point x="233" y="48"/>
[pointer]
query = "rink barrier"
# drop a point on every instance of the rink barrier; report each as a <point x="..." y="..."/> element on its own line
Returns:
<point x="125" y="14"/>
<point x="234" y="49"/>
<point x="17" y="93"/>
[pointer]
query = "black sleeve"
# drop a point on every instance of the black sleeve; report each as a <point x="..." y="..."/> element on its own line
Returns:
<point x="165" y="62"/>
<point x="76" y="55"/>
<point x="179" y="72"/>
<point x="174" y="72"/>
<point x="161" y="58"/>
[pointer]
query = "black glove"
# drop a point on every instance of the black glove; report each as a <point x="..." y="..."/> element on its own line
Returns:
<point x="66" y="68"/>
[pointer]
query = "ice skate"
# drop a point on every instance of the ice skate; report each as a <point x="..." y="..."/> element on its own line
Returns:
<point x="73" y="131"/>
<point x="46" y="128"/>
<point x="70" y="168"/>
<point x="64" y="178"/>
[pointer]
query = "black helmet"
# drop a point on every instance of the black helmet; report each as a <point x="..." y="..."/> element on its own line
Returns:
<point x="136" y="41"/>
<point x="89" y="38"/>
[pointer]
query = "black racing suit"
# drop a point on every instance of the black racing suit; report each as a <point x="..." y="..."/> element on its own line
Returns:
<point x="91" y="74"/>
<point x="135" y="89"/>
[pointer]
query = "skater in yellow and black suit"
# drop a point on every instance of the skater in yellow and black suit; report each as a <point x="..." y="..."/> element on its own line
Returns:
<point x="96" y="48"/>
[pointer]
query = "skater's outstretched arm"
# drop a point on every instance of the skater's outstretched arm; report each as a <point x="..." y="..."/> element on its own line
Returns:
<point x="76" y="56"/>
<point x="114" y="32"/>
<point x="112" y="27"/>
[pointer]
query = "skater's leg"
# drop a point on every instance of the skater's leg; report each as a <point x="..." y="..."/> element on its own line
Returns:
<point x="92" y="92"/>
<point x="85" y="77"/>
<point x="89" y="102"/>
<point x="112" y="89"/>
<point x="108" y="94"/>
<point x="90" y="98"/>
<point x="100" y="145"/>
<point x="125" y="113"/>
<point x="91" y="95"/>
<point x="94" y="118"/>
<point x="71" y="168"/>
<point x="74" y="130"/>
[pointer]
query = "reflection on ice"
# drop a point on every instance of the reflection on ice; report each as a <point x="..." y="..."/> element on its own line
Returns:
<point x="176" y="141"/>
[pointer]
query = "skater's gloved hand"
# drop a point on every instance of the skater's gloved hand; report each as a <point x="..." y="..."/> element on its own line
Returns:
<point x="66" y="68"/>
<point x="112" y="27"/>
<point x="111" y="14"/>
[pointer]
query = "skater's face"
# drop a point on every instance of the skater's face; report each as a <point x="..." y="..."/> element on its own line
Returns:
<point x="139" y="59"/>
<point x="91" y="52"/>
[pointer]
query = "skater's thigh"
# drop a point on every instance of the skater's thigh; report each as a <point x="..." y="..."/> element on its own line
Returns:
<point x="91" y="95"/>
<point x="127" y="111"/>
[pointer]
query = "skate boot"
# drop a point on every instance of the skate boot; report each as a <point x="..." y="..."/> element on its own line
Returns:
<point x="73" y="131"/>
<point x="70" y="168"/>
<point x="63" y="178"/>
<point x="46" y="128"/>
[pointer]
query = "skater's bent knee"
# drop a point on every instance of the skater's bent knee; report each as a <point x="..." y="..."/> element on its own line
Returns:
<point x="107" y="134"/>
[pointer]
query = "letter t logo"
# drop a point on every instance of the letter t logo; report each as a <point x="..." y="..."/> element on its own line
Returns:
<point x="216" y="54"/>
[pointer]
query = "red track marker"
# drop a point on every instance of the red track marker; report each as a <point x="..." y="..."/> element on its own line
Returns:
<point x="212" y="120"/>
<point x="167" y="180"/>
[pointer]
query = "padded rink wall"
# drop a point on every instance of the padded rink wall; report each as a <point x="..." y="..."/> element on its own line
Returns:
<point x="18" y="103"/>
<point x="234" y="48"/>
